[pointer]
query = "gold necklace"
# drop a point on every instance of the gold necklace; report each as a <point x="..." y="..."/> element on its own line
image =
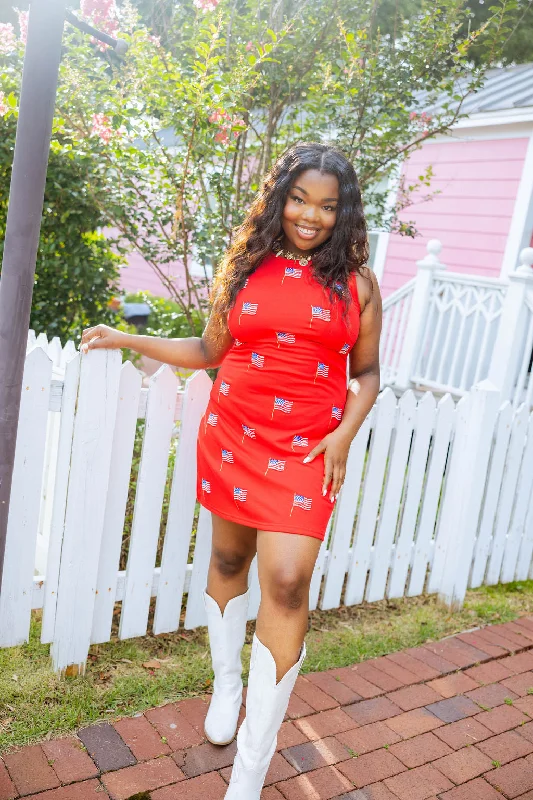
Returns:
<point x="279" y="251"/>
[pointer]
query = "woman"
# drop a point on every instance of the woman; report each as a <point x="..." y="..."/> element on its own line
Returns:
<point x="292" y="302"/>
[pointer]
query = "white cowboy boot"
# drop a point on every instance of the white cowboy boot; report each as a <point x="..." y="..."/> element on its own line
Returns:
<point x="226" y="638"/>
<point x="266" y="704"/>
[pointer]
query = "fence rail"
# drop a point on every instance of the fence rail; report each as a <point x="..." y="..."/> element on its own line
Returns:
<point x="437" y="497"/>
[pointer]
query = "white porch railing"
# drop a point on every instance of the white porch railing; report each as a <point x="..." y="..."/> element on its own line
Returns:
<point x="396" y="309"/>
<point x="437" y="495"/>
<point x="460" y="329"/>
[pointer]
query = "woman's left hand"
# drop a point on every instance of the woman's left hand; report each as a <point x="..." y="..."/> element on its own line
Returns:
<point x="335" y="448"/>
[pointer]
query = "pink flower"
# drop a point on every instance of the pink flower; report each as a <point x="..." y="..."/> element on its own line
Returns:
<point x="206" y="5"/>
<point x="218" y="115"/>
<point x="8" y="40"/>
<point x="101" y="127"/>
<point x="222" y="136"/>
<point x="413" y="115"/>
<point x="155" y="40"/>
<point x="250" y="46"/>
<point x="4" y="108"/>
<point x="102" y="14"/>
<point x="23" y="25"/>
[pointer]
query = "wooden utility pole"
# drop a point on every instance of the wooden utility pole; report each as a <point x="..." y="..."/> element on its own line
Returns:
<point x="28" y="178"/>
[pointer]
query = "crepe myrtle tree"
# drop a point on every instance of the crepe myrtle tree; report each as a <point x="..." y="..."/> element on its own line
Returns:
<point x="180" y="132"/>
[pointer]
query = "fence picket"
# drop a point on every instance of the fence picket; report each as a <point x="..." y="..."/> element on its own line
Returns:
<point x="195" y="614"/>
<point x="344" y="518"/>
<point x="47" y="489"/>
<point x="55" y="351"/>
<point x="181" y="507"/>
<point x="59" y="503"/>
<point x="23" y="520"/>
<point x="255" y="590"/>
<point x="404" y="548"/>
<point x="84" y="517"/>
<point x="522" y="495"/>
<point x="368" y="516"/>
<point x="525" y="563"/>
<point x="318" y="571"/>
<point x="492" y="494"/>
<point x="148" y="502"/>
<point x="506" y="499"/>
<point x="68" y="353"/>
<point x="465" y="490"/>
<point x="117" y="495"/>
<point x="444" y="426"/>
<point x="440" y="548"/>
<point x="396" y="479"/>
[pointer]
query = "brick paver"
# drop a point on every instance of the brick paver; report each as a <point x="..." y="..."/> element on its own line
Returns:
<point x="450" y="720"/>
<point x="454" y="684"/>
<point x="420" y="750"/>
<point x="106" y="748"/>
<point x="142" y="778"/>
<point x="141" y="737"/>
<point x="368" y="738"/>
<point x="68" y="759"/>
<point x="30" y="770"/>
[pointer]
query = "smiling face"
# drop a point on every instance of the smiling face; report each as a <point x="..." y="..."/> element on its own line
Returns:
<point x="310" y="211"/>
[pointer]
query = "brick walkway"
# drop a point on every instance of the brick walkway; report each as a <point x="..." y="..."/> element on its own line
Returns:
<point x="446" y="721"/>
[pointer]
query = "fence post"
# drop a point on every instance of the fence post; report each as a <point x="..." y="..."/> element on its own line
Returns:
<point x="427" y="267"/>
<point x="88" y="479"/>
<point x="511" y="330"/>
<point x="475" y="422"/>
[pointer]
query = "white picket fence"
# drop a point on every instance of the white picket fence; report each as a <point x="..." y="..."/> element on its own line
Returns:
<point x="446" y="331"/>
<point x="437" y="497"/>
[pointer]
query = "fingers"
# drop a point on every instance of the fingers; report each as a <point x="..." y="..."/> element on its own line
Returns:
<point x="328" y="475"/>
<point x="87" y="332"/>
<point x="334" y="473"/>
<point x="339" y="474"/>
<point x="89" y="339"/>
<point x="315" y="452"/>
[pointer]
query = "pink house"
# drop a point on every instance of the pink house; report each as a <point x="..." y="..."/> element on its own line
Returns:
<point x="483" y="213"/>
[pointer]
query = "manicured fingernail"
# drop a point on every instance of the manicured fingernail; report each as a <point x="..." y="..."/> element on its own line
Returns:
<point x="324" y="493"/>
<point x="337" y="496"/>
<point x="332" y="498"/>
<point x="306" y="459"/>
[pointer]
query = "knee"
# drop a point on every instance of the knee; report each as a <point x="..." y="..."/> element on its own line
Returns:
<point x="229" y="563"/>
<point x="289" y="590"/>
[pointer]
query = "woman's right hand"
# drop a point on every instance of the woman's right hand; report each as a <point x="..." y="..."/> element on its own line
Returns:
<point x="102" y="336"/>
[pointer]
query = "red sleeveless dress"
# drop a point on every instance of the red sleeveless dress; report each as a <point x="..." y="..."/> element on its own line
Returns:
<point x="281" y="388"/>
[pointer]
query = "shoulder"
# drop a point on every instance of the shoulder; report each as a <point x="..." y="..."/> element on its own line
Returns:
<point x="365" y="284"/>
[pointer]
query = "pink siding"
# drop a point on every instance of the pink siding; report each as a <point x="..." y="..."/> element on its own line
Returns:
<point x="478" y="182"/>
<point x="137" y="275"/>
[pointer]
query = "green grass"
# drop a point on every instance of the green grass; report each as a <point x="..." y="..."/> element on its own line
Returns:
<point x="36" y="704"/>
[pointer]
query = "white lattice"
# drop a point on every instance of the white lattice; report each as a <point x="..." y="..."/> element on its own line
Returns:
<point x="459" y="333"/>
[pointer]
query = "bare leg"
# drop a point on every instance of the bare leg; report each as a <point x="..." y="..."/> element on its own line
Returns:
<point x="285" y="562"/>
<point x="234" y="547"/>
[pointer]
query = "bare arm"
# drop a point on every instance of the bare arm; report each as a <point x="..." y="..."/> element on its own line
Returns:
<point x="193" y="352"/>
<point x="364" y="365"/>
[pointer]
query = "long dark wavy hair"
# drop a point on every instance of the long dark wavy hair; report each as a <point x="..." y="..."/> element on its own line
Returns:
<point x="332" y="262"/>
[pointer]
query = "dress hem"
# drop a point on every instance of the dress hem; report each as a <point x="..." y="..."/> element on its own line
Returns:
<point x="262" y="526"/>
